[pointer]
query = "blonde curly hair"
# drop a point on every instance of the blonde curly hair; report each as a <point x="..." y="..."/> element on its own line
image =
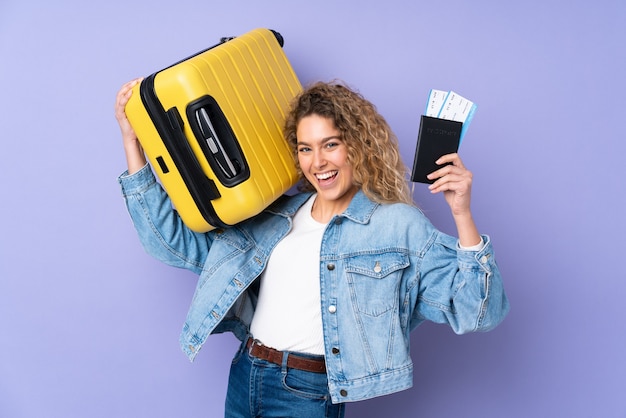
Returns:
<point x="372" y="147"/>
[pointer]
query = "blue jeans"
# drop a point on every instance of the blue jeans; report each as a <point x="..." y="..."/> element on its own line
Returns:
<point x="258" y="388"/>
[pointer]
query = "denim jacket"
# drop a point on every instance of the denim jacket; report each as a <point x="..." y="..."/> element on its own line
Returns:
<point x="384" y="269"/>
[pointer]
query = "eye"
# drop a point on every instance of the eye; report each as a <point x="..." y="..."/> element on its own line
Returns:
<point x="303" y="149"/>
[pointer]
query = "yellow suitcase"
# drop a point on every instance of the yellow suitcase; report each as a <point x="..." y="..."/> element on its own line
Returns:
<point x="211" y="126"/>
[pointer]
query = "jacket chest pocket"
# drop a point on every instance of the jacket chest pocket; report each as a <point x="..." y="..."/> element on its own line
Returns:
<point x="374" y="281"/>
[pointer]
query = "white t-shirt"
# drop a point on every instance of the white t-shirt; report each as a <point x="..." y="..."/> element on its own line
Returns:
<point x="288" y="313"/>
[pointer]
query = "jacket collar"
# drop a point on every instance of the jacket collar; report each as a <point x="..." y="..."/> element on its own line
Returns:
<point x="360" y="209"/>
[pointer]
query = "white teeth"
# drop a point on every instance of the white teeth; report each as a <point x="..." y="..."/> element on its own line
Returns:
<point x="324" y="176"/>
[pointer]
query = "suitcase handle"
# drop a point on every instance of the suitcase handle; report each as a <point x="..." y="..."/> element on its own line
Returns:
<point x="277" y="35"/>
<point x="223" y="40"/>
<point x="217" y="141"/>
<point x="199" y="185"/>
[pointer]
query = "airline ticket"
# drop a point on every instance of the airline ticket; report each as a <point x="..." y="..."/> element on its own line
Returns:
<point x="451" y="106"/>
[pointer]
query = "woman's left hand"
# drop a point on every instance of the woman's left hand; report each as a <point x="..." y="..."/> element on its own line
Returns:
<point x="455" y="181"/>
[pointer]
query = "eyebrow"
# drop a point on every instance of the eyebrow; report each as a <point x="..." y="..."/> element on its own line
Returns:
<point x="324" y="140"/>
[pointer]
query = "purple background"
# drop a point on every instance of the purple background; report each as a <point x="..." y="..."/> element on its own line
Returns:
<point x="89" y="324"/>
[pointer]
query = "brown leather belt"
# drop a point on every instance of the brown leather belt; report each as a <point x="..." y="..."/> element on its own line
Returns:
<point x="293" y="361"/>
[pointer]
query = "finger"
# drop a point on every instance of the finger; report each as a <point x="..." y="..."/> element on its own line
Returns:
<point x="125" y="92"/>
<point x="447" y="182"/>
<point x="123" y="96"/>
<point x="127" y="88"/>
<point x="132" y="83"/>
<point x="457" y="180"/>
<point x="453" y="158"/>
<point x="445" y="170"/>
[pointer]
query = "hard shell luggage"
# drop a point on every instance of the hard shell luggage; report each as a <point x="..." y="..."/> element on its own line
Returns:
<point x="211" y="126"/>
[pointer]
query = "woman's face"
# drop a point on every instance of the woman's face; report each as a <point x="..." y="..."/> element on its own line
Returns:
<point x="323" y="158"/>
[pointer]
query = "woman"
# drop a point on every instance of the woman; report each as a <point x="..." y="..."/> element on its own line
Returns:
<point x="323" y="287"/>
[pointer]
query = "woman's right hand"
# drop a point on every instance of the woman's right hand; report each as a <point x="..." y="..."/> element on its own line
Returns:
<point x="134" y="152"/>
<point x="128" y="134"/>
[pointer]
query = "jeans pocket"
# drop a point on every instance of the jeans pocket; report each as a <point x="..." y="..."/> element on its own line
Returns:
<point x="308" y="385"/>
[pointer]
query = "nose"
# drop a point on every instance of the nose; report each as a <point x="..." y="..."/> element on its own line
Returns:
<point x="318" y="159"/>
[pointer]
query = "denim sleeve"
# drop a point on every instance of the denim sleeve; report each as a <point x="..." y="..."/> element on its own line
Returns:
<point x="459" y="287"/>
<point x="161" y="231"/>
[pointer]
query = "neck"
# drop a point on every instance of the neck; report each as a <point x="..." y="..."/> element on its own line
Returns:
<point x="324" y="210"/>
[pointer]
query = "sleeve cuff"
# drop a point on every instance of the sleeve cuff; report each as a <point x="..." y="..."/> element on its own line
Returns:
<point x="476" y="247"/>
<point x="136" y="182"/>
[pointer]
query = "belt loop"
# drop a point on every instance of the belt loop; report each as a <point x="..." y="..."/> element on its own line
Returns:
<point x="284" y="363"/>
<point x="250" y="345"/>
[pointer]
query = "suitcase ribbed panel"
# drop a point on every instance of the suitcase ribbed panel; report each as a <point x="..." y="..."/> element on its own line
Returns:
<point x="253" y="83"/>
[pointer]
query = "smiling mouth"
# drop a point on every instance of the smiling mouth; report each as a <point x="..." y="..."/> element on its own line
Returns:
<point x="326" y="176"/>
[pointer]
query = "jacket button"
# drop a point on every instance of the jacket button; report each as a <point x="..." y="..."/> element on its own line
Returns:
<point x="343" y="392"/>
<point x="332" y="309"/>
<point x="338" y="221"/>
<point x="335" y="350"/>
<point x="330" y="266"/>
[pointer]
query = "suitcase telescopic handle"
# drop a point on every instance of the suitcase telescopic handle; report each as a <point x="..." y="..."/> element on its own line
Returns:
<point x="217" y="141"/>
<point x="215" y="144"/>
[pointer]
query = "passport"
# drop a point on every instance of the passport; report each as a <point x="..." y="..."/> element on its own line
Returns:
<point x="436" y="137"/>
